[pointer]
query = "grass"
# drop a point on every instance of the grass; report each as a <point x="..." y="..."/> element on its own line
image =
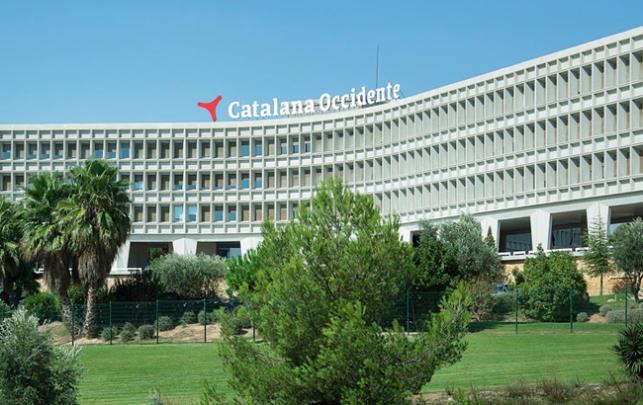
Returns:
<point x="496" y="356"/>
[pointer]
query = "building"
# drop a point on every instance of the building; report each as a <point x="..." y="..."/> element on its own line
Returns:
<point x="535" y="151"/>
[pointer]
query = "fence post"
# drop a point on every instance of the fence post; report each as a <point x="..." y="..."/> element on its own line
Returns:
<point x="73" y="324"/>
<point x="111" y="331"/>
<point x="571" y="311"/>
<point x="625" y="298"/>
<point x="156" y="316"/>
<point x="516" y="307"/>
<point x="205" y="322"/>
<point x="408" y="304"/>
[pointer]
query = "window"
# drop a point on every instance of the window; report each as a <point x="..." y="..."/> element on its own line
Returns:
<point x="111" y="150"/>
<point x="6" y="151"/>
<point x="245" y="181"/>
<point x="178" y="182"/>
<point x="138" y="213"/>
<point x="151" y="150"/>
<point x="178" y="150"/>
<point x="257" y="180"/>
<point x="84" y="150"/>
<point x="218" y="181"/>
<point x="151" y="182"/>
<point x="124" y="150"/>
<point x="232" y="213"/>
<point x="244" y="151"/>
<point x="307" y="145"/>
<point x="165" y="213"/>
<point x="191" y="182"/>
<point x="58" y="151"/>
<point x="191" y="213"/>
<point x="232" y="182"/>
<point x="98" y="151"/>
<point x="295" y="147"/>
<point x="283" y="147"/>
<point x="19" y="150"/>
<point x="138" y="182"/>
<point x="31" y="151"/>
<point x="205" y="213"/>
<point x="218" y="213"/>
<point x="151" y="214"/>
<point x="178" y="213"/>
<point x="258" y="148"/>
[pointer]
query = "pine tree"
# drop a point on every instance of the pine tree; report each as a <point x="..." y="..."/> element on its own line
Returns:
<point x="597" y="258"/>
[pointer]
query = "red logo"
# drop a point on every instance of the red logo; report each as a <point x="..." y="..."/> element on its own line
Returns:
<point x="211" y="107"/>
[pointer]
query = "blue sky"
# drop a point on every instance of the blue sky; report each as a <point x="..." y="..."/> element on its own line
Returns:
<point x="147" y="61"/>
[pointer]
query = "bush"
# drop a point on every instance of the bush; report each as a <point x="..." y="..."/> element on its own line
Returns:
<point x="188" y="318"/>
<point x="503" y="303"/>
<point x="129" y="327"/>
<point x="211" y="317"/>
<point x="582" y="317"/>
<point x="32" y="369"/>
<point x="618" y="316"/>
<point x="146" y="332"/>
<point x="604" y="309"/>
<point x="230" y="324"/>
<point x="188" y="276"/>
<point x="44" y="306"/>
<point x="164" y="323"/>
<point x="126" y="335"/>
<point x="108" y="333"/>
<point x="630" y="349"/>
<point x="545" y="293"/>
<point x="5" y="311"/>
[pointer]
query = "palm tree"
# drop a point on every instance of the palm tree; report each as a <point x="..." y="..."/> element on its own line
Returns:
<point x="96" y="221"/>
<point x="9" y="245"/>
<point x="43" y="239"/>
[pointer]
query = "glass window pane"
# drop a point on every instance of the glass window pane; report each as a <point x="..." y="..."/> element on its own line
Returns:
<point x="178" y="213"/>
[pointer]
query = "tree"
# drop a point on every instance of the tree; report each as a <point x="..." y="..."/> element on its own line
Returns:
<point x="548" y="280"/>
<point x="322" y="286"/>
<point x="44" y="239"/>
<point x="32" y="369"/>
<point x="188" y="276"/>
<point x="628" y="253"/>
<point x="16" y="273"/>
<point x="597" y="257"/>
<point x="96" y="222"/>
<point x="454" y="251"/>
<point x="489" y="240"/>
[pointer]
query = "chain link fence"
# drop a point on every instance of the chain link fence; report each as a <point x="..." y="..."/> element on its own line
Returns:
<point x="194" y="321"/>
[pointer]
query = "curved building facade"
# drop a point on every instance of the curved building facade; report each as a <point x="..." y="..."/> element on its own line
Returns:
<point x="535" y="151"/>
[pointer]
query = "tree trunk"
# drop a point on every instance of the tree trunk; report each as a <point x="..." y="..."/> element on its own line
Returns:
<point x="5" y="291"/>
<point x="90" y="326"/>
<point x="601" y="284"/>
<point x="66" y="308"/>
<point x="636" y="286"/>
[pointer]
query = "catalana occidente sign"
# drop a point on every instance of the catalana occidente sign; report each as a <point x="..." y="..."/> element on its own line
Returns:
<point x="325" y="103"/>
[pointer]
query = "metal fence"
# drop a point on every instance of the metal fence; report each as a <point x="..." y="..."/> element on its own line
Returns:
<point x="165" y="321"/>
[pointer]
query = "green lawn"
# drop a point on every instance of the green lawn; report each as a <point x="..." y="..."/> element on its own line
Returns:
<point x="496" y="356"/>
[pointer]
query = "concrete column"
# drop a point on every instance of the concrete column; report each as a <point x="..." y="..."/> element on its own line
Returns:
<point x="249" y="243"/>
<point x="490" y="222"/>
<point x="540" y="229"/>
<point x="595" y="211"/>
<point x="184" y="246"/>
<point x="122" y="258"/>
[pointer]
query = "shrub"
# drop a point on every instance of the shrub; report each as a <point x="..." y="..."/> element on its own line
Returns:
<point x="129" y="327"/>
<point x="165" y="323"/>
<point x="545" y="293"/>
<point x="126" y="335"/>
<point x="211" y="317"/>
<point x="188" y="318"/>
<point x="44" y="306"/>
<point x="188" y="276"/>
<point x="5" y="311"/>
<point x="108" y="333"/>
<point x="582" y="317"/>
<point x="32" y="369"/>
<point x="630" y="350"/>
<point x="146" y="332"/>
<point x="604" y="309"/>
<point x="618" y="316"/>
<point x="503" y="303"/>
<point x="230" y="324"/>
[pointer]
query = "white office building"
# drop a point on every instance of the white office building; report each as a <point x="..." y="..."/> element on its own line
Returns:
<point x="535" y="151"/>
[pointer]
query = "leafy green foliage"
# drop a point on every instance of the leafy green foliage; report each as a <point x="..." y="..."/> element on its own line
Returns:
<point x="630" y="350"/>
<point x="137" y="287"/>
<point x="165" y="323"/>
<point x="5" y="311"/>
<point x="318" y="297"/>
<point x="204" y="317"/>
<point x="126" y="335"/>
<point x="604" y="309"/>
<point x="32" y="370"/>
<point x="108" y="333"/>
<point x="582" y="317"/>
<point x="44" y="306"/>
<point x="454" y="251"/>
<point x="618" y="315"/>
<point x="628" y="253"/>
<point x="188" y="276"/>
<point x="187" y="318"/>
<point x="146" y="332"/>
<point x="597" y="257"/>
<point x="545" y="293"/>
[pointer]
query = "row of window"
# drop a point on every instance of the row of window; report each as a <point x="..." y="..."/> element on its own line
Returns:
<point x="206" y="213"/>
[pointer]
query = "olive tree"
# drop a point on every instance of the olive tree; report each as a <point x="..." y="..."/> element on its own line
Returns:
<point x="318" y="292"/>
<point x="188" y="276"/>
<point x="628" y="253"/>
